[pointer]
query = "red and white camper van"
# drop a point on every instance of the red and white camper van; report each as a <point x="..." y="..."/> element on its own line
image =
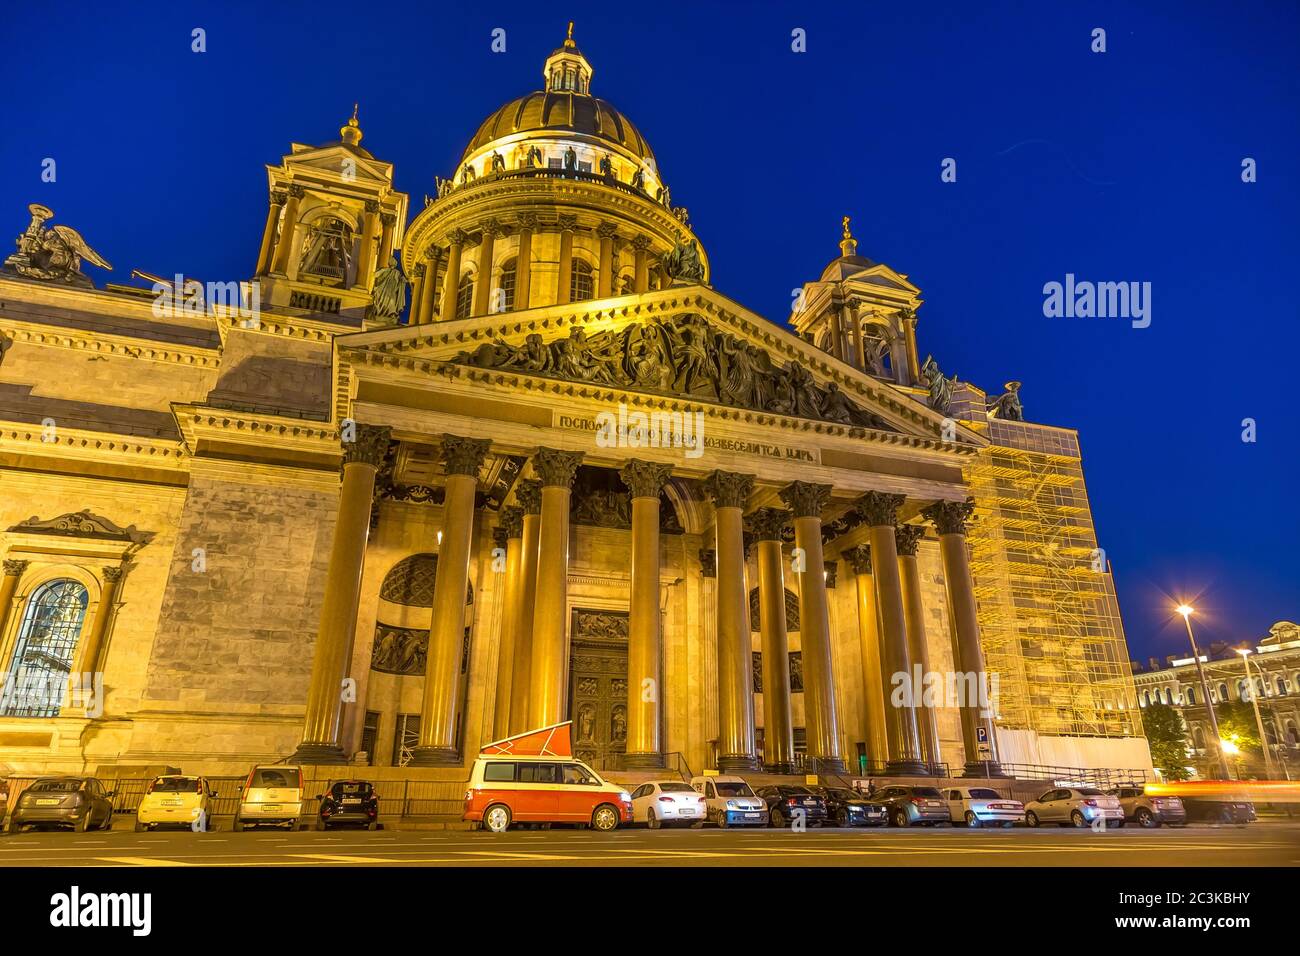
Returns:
<point x="533" y="777"/>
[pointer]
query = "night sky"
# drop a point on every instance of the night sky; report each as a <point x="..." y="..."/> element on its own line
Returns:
<point x="1122" y="166"/>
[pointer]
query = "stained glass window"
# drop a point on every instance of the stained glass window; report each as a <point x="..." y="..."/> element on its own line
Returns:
<point x="42" y="662"/>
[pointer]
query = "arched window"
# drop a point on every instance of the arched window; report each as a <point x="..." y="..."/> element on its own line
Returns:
<point x="1282" y="688"/>
<point x="1198" y="738"/>
<point x="465" y="296"/>
<point x="1146" y="698"/>
<point x="580" y="287"/>
<point x="1160" y="696"/>
<point x="1243" y="692"/>
<point x="42" y="661"/>
<point x="327" y="248"/>
<point x="1292" y="735"/>
<point x="505" y="299"/>
<point x="1191" y="696"/>
<point x="1223" y="692"/>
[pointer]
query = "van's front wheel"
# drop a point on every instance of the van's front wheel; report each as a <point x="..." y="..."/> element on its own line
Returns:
<point x="605" y="818"/>
<point x="497" y="818"/>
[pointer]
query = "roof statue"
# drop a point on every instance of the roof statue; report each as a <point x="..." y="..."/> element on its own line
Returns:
<point x="53" y="253"/>
<point x="1007" y="406"/>
<point x="389" y="297"/>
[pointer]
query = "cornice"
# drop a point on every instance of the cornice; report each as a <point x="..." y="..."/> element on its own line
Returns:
<point x="108" y="344"/>
<point x="31" y="439"/>
<point x="198" y="422"/>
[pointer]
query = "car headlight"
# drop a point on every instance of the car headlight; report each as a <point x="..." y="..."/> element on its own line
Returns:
<point x="625" y="796"/>
<point x="732" y="805"/>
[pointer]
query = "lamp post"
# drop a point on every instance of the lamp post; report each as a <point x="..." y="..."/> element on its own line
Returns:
<point x="1186" y="612"/>
<point x="1254" y="700"/>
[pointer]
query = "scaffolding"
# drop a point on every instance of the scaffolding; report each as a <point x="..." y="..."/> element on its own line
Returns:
<point x="1049" y="618"/>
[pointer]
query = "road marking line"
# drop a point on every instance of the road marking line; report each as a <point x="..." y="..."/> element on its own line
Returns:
<point x="143" y="861"/>
<point x="339" y="858"/>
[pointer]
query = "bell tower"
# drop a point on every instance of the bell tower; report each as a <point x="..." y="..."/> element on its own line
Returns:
<point x="333" y="221"/>
<point x="863" y="313"/>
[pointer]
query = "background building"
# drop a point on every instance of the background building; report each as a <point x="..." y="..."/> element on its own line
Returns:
<point x="734" y="579"/>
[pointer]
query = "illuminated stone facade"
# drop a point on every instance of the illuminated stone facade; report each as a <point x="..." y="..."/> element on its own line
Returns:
<point x="573" y="480"/>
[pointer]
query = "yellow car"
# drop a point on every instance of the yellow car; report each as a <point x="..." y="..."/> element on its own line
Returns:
<point x="177" y="800"/>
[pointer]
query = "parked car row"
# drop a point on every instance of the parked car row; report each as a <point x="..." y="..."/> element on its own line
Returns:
<point x="271" y="796"/>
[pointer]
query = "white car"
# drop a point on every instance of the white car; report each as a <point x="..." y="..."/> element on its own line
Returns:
<point x="1075" y="806"/>
<point x="731" y="802"/>
<point x="667" y="801"/>
<point x="980" y="806"/>
<point x="272" y="796"/>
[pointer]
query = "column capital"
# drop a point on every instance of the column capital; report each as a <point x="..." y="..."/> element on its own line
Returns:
<point x="566" y="223"/>
<point x="500" y="537"/>
<point x="279" y="197"/>
<point x="389" y="219"/>
<point x="369" y="446"/>
<point x="528" y="220"/>
<point x="529" y="495"/>
<point x="949" y="517"/>
<point x="296" y="191"/>
<point x="14" y="567"/>
<point x="728" y="489"/>
<point x="708" y="562"/>
<point x="645" y="479"/>
<point x="432" y="253"/>
<point x="907" y="537"/>
<point x="457" y="237"/>
<point x="607" y="230"/>
<point x="859" y="559"/>
<point x="641" y="243"/>
<point x="767" y="524"/>
<point x="805" y="499"/>
<point x="114" y="573"/>
<point x="556" y="468"/>
<point x="879" y="508"/>
<point x="419" y="270"/>
<point x="493" y="228"/>
<point x="372" y="206"/>
<point x="463" y="456"/>
<point x="512" y="519"/>
<point x="832" y="569"/>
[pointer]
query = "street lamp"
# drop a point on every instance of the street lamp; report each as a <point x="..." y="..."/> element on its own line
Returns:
<point x="1254" y="699"/>
<point x="1186" y="611"/>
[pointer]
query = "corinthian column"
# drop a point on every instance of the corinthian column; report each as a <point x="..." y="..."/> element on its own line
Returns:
<point x="736" y="749"/>
<point x="645" y="480"/>
<point x="640" y="264"/>
<point x="977" y="706"/>
<point x="880" y="510"/>
<point x="451" y="276"/>
<point x="278" y="198"/>
<point x="483" y="285"/>
<point x="567" y="224"/>
<point x="907" y="537"/>
<point x="366" y="256"/>
<point x="529" y="495"/>
<point x="507" y="537"/>
<point x="338" y="613"/>
<point x="524" y="262"/>
<point x="92" y="655"/>
<point x="605" y="280"/>
<point x="806" y="501"/>
<point x="546" y="704"/>
<point x="873" y="683"/>
<point x="461" y="459"/>
<point x="13" y="571"/>
<point x="767" y="526"/>
<point x="284" y="247"/>
<point x="429" y="286"/>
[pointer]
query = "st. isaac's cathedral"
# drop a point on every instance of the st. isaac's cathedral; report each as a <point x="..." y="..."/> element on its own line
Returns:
<point x="422" y="482"/>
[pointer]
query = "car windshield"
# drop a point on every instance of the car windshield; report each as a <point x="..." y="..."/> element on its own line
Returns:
<point x="925" y="792"/>
<point x="739" y="788"/>
<point x="981" y="793"/>
<point x="1089" y="792"/>
<point x="351" y="789"/>
<point x="175" y="784"/>
<point x="70" y="785"/>
<point x="675" y="788"/>
<point x="846" y="794"/>
<point x="798" y="792"/>
<point x="276" y="778"/>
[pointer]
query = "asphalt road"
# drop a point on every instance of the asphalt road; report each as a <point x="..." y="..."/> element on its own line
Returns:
<point x="1261" y="844"/>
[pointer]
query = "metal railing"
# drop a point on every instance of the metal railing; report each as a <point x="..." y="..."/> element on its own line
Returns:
<point x="1100" y="777"/>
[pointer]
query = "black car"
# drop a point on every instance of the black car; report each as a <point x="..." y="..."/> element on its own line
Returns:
<point x="349" y="802"/>
<point x="784" y="803"/>
<point x="848" y="808"/>
<point x="79" y="803"/>
<point x="1213" y="810"/>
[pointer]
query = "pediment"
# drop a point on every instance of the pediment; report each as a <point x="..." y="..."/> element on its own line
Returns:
<point x="329" y="160"/>
<point x="688" y="343"/>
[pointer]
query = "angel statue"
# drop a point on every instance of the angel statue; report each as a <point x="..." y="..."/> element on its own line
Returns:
<point x="1007" y="406"/>
<point x="389" y="296"/>
<point x="53" y="253"/>
<point x="683" y="263"/>
<point x="939" y="385"/>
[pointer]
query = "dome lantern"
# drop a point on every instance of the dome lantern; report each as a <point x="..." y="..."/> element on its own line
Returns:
<point x="566" y="69"/>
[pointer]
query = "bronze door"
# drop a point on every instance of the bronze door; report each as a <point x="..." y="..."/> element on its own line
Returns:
<point x="598" y="686"/>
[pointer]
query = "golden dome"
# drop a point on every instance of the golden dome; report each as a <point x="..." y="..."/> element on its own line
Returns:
<point x="561" y="111"/>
